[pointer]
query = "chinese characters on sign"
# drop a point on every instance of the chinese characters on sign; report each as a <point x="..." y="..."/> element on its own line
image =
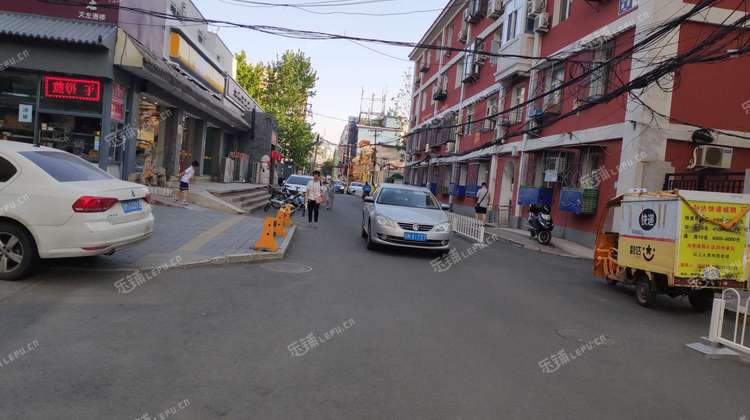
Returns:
<point x="118" y="102"/>
<point x="87" y="90"/>
<point x="303" y="346"/>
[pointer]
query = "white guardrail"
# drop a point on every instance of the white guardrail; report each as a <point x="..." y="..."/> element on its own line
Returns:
<point x="732" y="336"/>
<point x="468" y="227"/>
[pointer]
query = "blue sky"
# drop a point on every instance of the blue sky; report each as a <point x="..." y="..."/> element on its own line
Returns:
<point x="343" y="67"/>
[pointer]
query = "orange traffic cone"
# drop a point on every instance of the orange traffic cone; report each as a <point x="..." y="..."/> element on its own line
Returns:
<point x="267" y="242"/>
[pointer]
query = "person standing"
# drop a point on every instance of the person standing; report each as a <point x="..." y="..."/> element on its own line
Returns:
<point x="483" y="199"/>
<point x="313" y="197"/>
<point x="185" y="177"/>
<point x="330" y="192"/>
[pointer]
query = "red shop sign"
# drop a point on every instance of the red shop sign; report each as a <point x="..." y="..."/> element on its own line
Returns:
<point x="71" y="89"/>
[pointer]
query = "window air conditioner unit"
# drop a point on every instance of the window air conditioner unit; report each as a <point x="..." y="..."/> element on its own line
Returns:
<point x="426" y="147"/>
<point x="541" y="22"/>
<point x="495" y="9"/>
<point x="713" y="157"/>
<point x="450" y="147"/>
<point x="538" y="6"/>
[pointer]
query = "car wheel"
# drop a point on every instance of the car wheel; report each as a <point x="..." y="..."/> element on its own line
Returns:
<point x="370" y="244"/>
<point x="701" y="300"/>
<point x="18" y="253"/>
<point x="644" y="290"/>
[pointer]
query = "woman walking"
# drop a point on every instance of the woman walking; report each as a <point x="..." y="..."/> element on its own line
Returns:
<point x="483" y="200"/>
<point x="330" y="193"/>
<point x="313" y="197"/>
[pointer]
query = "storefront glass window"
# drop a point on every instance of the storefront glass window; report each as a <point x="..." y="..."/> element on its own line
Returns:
<point x="77" y="135"/>
<point x="17" y="101"/>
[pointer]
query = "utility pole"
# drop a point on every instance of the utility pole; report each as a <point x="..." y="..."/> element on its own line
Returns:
<point x="375" y="157"/>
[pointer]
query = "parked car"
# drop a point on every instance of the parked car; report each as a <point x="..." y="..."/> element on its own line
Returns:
<point x="355" y="188"/>
<point x="338" y="187"/>
<point x="297" y="183"/>
<point x="57" y="205"/>
<point x="405" y="216"/>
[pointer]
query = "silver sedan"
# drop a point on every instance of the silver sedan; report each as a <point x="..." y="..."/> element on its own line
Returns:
<point x="406" y="216"/>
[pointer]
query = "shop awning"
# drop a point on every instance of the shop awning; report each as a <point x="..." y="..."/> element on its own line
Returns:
<point x="131" y="56"/>
<point x="57" y="29"/>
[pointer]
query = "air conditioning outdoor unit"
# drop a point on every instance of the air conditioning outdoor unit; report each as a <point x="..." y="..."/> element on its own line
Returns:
<point x="450" y="147"/>
<point x="495" y="9"/>
<point x="504" y="121"/>
<point x="538" y="6"/>
<point x="426" y="147"/>
<point x="541" y="22"/>
<point x="713" y="157"/>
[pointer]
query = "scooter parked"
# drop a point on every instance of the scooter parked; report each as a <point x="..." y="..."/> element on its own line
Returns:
<point x="540" y="223"/>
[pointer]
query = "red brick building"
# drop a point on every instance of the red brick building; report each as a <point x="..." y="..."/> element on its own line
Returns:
<point x="575" y="163"/>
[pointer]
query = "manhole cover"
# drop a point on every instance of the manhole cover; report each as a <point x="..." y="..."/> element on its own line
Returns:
<point x="289" y="268"/>
<point x="585" y="335"/>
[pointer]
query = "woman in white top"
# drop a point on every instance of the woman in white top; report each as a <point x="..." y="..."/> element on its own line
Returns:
<point x="314" y="196"/>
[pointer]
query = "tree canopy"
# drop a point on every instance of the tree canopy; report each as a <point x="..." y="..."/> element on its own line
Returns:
<point x="283" y="88"/>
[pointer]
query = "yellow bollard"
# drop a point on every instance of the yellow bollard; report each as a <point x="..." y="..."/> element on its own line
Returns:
<point x="267" y="242"/>
<point x="278" y="224"/>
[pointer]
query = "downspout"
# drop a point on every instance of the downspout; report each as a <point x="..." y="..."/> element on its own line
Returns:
<point x="522" y="166"/>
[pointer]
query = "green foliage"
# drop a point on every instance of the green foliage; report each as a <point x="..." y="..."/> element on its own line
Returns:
<point x="327" y="168"/>
<point x="283" y="88"/>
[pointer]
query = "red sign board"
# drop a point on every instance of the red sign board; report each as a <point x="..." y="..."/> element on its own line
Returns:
<point x="118" y="102"/>
<point x="105" y="11"/>
<point x="71" y="89"/>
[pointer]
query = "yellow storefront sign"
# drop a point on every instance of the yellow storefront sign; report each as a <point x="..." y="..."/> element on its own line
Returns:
<point x="705" y="248"/>
<point x="649" y="254"/>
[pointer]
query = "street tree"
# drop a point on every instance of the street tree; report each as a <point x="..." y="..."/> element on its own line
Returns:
<point x="283" y="87"/>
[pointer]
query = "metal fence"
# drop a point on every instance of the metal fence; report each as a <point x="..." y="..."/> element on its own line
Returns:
<point x="726" y="182"/>
<point x="730" y="332"/>
<point x="468" y="227"/>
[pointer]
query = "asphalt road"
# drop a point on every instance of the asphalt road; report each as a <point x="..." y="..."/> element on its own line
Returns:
<point x="463" y="344"/>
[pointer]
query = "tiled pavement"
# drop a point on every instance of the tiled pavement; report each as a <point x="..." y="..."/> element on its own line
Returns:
<point x="193" y="233"/>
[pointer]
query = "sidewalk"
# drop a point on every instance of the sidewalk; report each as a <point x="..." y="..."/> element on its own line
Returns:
<point x="198" y="236"/>
<point x="561" y="247"/>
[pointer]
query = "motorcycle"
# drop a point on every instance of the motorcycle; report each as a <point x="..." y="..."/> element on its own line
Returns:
<point x="280" y="198"/>
<point x="540" y="223"/>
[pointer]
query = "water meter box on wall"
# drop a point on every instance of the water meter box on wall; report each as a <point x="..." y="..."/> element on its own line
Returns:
<point x="688" y="235"/>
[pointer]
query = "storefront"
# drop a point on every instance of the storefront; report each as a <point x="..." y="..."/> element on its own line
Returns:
<point x="47" y="96"/>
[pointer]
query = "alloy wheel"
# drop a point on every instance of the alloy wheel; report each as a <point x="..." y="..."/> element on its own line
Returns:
<point x="11" y="252"/>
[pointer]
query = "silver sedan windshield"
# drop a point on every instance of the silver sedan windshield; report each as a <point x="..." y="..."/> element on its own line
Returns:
<point x="408" y="198"/>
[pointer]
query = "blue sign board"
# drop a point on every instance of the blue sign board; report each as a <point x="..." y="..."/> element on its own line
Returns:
<point x="571" y="200"/>
<point x="534" y="195"/>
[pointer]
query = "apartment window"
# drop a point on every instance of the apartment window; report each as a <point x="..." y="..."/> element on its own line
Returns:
<point x="600" y="76"/>
<point x="201" y="38"/>
<point x="553" y="79"/>
<point x="424" y="102"/>
<point x="489" y="122"/>
<point x="459" y="75"/>
<point x="564" y="11"/>
<point x="530" y="18"/>
<point x="469" y="118"/>
<point x="448" y="39"/>
<point x="519" y="95"/>
<point x="511" y="25"/>
<point x="497" y="42"/>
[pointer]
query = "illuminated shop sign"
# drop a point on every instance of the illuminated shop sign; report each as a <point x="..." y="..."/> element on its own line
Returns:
<point x="72" y="89"/>
<point x="103" y="11"/>
<point x="182" y="52"/>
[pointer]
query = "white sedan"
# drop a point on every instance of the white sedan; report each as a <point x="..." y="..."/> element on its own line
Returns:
<point x="56" y="205"/>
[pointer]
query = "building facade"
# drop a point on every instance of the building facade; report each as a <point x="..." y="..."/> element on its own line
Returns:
<point x="140" y="95"/>
<point x="544" y="123"/>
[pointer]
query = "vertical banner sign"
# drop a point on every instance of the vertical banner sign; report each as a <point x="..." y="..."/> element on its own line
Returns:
<point x="118" y="103"/>
<point x="704" y="246"/>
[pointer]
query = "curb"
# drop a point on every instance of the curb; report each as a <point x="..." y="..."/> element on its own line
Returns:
<point x="241" y="258"/>
<point x="545" y="250"/>
<point x="208" y="262"/>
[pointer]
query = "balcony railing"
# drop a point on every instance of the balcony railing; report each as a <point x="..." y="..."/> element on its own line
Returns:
<point x="726" y="182"/>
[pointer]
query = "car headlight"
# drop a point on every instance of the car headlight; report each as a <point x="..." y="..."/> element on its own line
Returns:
<point x="443" y="227"/>
<point x="386" y="222"/>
